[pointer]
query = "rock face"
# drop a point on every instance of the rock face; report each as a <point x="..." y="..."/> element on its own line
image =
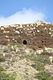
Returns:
<point x="37" y="35"/>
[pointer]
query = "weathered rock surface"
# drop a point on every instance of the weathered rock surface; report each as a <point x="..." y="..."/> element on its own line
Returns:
<point x="37" y="35"/>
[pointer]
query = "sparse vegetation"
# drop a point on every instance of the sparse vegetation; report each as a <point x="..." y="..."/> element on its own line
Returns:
<point x="25" y="65"/>
<point x="4" y="76"/>
<point x="43" y="75"/>
<point x="2" y="59"/>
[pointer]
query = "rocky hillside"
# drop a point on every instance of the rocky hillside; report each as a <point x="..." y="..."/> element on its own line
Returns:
<point x="21" y="58"/>
<point x="37" y="35"/>
<point x="18" y="62"/>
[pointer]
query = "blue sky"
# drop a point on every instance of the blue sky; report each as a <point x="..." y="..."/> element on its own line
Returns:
<point x="9" y="9"/>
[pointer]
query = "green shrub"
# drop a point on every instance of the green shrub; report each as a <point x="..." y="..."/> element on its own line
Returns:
<point x="38" y="66"/>
<point x="43" y="75"/>
<point x="39" y="61"/>
<point x="4" y="76"/>
<point x="2" y="58"/>
<point x="1" y="68"/>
